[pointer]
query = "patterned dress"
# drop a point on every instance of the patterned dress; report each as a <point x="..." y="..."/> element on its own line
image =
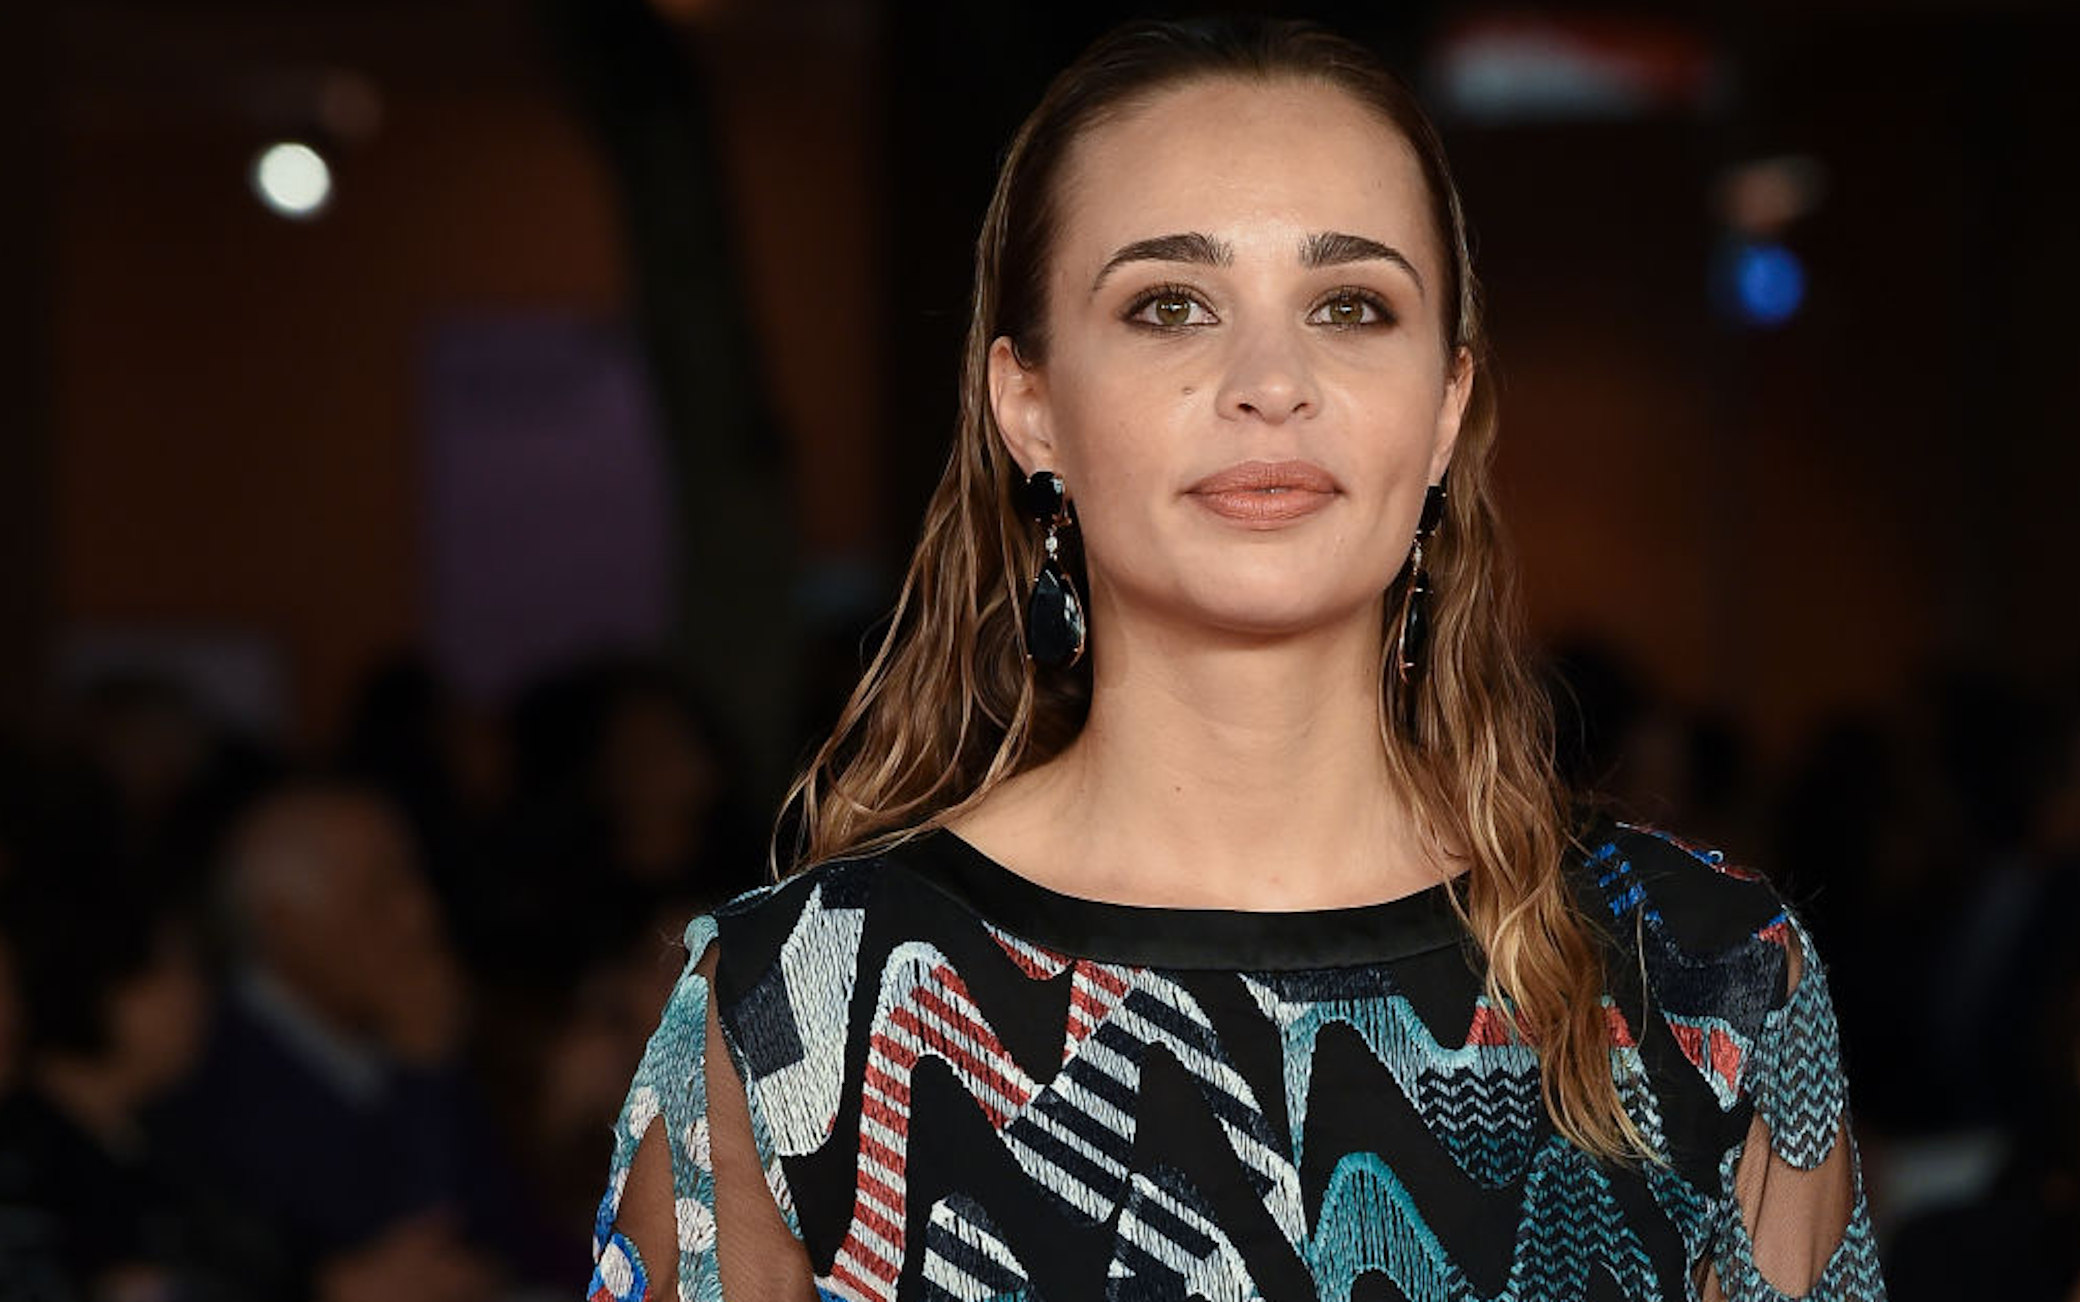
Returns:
<point x="963" y="1085"/>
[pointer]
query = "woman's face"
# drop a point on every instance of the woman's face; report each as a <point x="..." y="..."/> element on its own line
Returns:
<point x="1244" y="275"/>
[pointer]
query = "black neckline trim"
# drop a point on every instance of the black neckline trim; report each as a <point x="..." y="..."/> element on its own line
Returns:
<point x="1177" y="938"/>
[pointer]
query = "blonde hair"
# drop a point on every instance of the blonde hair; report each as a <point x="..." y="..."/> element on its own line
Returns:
<point x="949" y="706"/>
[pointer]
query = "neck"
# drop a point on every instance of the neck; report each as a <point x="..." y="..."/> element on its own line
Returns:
<point x="1229" y="775"/>
<point x="99" y="1097"/>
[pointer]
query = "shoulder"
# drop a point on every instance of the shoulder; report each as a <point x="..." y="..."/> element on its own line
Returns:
<point x="741" y="950"/>
<point x="1702" y="902"/>
<point x="1714" y="945"/>
<point x="820" y="908"/>
<point x="788" y="961"/>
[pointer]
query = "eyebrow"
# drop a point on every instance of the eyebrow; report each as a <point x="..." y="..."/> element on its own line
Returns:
<point x="1323" y="249"/>
<point x="1334" y="249"/>
<point x="1188" y="246"/>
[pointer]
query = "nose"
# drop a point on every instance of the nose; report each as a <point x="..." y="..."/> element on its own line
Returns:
<point x="1268" y="378"/>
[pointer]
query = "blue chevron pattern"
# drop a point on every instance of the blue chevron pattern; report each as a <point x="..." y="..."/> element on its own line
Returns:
<point x="1797" y="1083"/>
<point x="1480" y="1101"/>
<point x="1572" y="1227"/>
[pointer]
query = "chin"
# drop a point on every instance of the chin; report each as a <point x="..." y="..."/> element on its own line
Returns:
<point x="1281" y="607"/>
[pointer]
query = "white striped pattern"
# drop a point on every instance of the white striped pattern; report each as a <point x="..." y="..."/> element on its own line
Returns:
<point x="923" y="1010"/>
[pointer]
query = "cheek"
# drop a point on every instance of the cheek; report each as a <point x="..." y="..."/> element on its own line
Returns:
<point x="1394" y="420"/>
<point x="1123" y="449"/>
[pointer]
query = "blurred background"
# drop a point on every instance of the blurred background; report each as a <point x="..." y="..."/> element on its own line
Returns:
<point x="451" y="453"/>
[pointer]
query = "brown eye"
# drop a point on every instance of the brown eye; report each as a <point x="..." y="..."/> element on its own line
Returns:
<point x="1352" y="309"/>
<point x="1170" y="309"/>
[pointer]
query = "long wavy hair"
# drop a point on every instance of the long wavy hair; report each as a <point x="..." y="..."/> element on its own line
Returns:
<point x="949" y="706"/>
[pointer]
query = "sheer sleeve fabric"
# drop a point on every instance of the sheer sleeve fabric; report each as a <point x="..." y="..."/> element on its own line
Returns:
<point x="696" y="1208"/>
<point x="1798" y="1225"/>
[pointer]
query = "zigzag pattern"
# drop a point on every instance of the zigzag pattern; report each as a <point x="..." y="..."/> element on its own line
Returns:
<point x="1168" y="1248"/>
<point x="1094" y="988"/>
<point x="1571" y="1221"/>
<point x="1785" y="1060"/>
<point x="1078" y="1152"/>
<point x="1695" y="1213"/>
<point x="1572" y="1226"/>
<point x="1480" y="1100"/>
<point x="1797" y="1083"/>
<point x="923" y="1009"/>
<point x="1072" y="1129"/>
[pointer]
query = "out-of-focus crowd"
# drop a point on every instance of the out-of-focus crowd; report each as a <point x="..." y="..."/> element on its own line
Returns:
<point x="354" y="1026"/>
<point x="349" y="1027"/>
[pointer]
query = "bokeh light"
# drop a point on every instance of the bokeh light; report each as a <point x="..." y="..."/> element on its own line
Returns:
<point x="292" y="179"/>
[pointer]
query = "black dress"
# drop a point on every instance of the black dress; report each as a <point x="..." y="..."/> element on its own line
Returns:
<point x="962" y="1084"/>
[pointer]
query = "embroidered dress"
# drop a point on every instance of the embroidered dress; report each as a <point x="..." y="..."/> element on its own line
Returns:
<point x="962" y="1085"/>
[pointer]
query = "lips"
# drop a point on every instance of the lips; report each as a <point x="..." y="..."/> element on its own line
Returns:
<point x="1267" y="476"/>
<point x="1266" y="492"/>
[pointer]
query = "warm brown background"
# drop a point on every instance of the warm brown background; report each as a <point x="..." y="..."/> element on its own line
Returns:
<point x="1780" y="524"/>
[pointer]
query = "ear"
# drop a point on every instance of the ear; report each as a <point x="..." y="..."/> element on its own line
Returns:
<point x="1018" y="399"/>
<point x="1458" y="390"/>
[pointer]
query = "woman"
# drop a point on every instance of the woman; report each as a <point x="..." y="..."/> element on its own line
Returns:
<point x="1235" y="940"/>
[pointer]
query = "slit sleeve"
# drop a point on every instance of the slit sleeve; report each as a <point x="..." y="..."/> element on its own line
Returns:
<point x="1796" y="1224"/>
<point x="696" y="1207"/>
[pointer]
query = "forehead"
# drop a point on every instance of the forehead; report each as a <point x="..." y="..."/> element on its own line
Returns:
<point x="1257" y="163"/>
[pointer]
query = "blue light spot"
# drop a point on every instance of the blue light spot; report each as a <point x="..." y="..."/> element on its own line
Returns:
<point x="1768" y="283"/>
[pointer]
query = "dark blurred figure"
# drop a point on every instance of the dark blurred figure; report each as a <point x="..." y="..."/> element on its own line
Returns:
<point x="445" y="766"/>
<point x="161" y="773"/>
<point x="2021" y="1241"/>
<point x="1851" y="847"/>
<point x="563" y="1059"/>
<point x="1597" y="701"/>
<point x="331" y="1092"/>
<point x="1686" y="770"/>
<point x="628" y="819"/>
<point x="1647" y="759"/>
<point x="145" y="734"/>
<point x="12" y="1014"/>
<point x="114" y="1003"/>
<point x="14" y="775"/>
<point x="2011" y="898"/>
<point x="1936" y="854"/>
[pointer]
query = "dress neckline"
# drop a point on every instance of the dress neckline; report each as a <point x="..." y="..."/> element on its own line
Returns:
<point x="1143" y="935"/>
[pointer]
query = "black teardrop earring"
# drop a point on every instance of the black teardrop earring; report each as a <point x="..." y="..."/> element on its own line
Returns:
<point x="1415" y="612"/>
<point x="1054" y="615"/>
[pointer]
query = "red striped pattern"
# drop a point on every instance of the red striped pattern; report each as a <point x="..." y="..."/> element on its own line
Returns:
<point x="1094" y="992"/>
<point x="934" y="1016"/>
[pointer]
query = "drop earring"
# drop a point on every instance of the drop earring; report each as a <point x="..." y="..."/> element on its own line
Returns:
<point x="1054" y="614"/>
<point x="1415" y="608"/>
